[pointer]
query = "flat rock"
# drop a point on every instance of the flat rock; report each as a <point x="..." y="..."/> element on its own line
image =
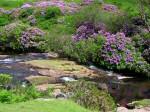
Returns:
<point x="123" y="109"/>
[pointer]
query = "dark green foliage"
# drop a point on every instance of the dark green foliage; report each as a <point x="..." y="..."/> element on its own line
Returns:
<point x="52" y="12"/>
<point x="4" y="19"/>
<point x="19" y="94"/>
<point x="85" y="50"/>
<point x="142" y="43"/>
<point x="87" y="94"/>
<point x="46" y="24"/>
<point x="61" y="34"/>
<point x="48" y="13"/>
<point x="26" y="12"/>
<point x="46" y="18"/>
<point x="5" y="96"/>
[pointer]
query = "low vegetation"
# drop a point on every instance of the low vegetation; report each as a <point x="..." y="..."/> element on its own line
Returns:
<point x="88" y="95"/>
<point x="142" y="103"/>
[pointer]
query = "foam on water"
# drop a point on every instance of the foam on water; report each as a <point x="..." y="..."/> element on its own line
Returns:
<point x="9" y="60"/>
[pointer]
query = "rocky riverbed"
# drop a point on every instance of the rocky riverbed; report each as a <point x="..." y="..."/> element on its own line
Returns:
<point x="43" y="69"/>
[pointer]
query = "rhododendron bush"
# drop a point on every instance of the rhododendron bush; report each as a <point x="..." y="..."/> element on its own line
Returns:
<point x="19" y="36"/>
<point x="117" y="51"/>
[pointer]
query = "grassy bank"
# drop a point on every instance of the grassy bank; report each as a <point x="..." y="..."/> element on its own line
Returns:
<point x="43" y="106"/>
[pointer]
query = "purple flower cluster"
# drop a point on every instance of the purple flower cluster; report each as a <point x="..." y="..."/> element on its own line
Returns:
<point x="29" y="36"/>
<point x="115" y="50"/>
<point x="87" y="30"/>
<point x="26" y="6"/>
<point x="32" y="20"/>
<point x="110" y="8"/>
<point x="64" y="7"/>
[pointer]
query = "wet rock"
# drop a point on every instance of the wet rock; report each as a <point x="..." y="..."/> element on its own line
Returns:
<point x="25" y="83"/>
<point x="123" y="109"/>
<point x="38" y="80"/>
<point x="58" y="94"/>
<point x="147" y="93"/>
<point x="103" y="86"/>
<point x="44" y="87"/>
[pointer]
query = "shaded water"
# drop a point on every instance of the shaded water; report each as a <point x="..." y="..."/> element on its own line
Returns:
<point x="124" y="89"/>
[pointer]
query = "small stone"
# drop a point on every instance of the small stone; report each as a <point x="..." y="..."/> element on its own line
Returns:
<point x="58" y="94"/>
<point x="130" y="106"/>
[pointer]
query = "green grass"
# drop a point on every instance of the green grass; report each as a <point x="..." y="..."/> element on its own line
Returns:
<point x="129" y="6"/>
<point x="43" y="106"/>
<point x="9" y="4"/>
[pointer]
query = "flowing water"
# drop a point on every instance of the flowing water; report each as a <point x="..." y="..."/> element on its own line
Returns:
<point x="124" y="89"/>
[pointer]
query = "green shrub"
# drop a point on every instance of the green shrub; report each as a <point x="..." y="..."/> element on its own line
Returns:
<point x="5" y="79"/>
<point x="19" y="94"/>
<point x="85" y="50"/>
<point x="10" y="35"/>
<point x="52" y="12"/>
<point x="46" y="24"/>
<point x="141" y="42"/>
<point x="46" y="18"/>
<point x="5" y="96"/>
<point x="60" y="34"/>
<point x="94" y="14"/>
<point x="87" y="94"/>
<point x="48" y="92"/>
<point x="31" y="93"/>
<point x="48" y="13"/>
<point x="18" y="36"/>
